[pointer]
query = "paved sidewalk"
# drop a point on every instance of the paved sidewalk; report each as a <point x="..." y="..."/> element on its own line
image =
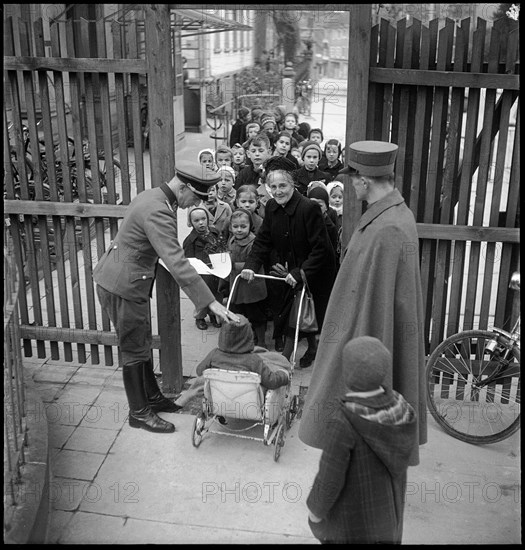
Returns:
<point x="114" y="484"/>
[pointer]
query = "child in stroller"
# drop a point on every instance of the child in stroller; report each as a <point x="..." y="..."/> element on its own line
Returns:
<point x="236" y="351"/>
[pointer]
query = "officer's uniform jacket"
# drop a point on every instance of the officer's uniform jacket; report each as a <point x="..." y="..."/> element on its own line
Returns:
<point x="147" y="232"/>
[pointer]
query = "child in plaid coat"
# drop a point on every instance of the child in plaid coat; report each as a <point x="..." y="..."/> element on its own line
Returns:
<point x="359" y="492"/>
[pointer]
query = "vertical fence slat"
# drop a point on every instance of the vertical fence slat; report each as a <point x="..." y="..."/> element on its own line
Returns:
<point x="389" y="35"/>
<point x="481" y="186"/>
<point x="373" y="108"/>
<point x="65" y="248"/>
<point x="135" y="111"/>
<point x="451" y="162"/>
<point x="122" y="128"/>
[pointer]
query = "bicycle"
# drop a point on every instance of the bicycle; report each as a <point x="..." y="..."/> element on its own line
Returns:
<point x="474" y="383"/>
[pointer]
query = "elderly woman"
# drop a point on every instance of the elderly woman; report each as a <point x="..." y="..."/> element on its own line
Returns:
<point x="292" y="238"/>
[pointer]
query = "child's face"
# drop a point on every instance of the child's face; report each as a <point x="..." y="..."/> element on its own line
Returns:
<point x="316" y="137"/>
<point x="248" y="201"/>
<point x="289" y="123"/>
<point x="199" y="221"/>
<point x="238" y="156"/>
<point x="283" y="145"/>
<point x="224" y="159"/>
<point x="253" y="131"/>
<point x="321" y="203"/>
<point x="336" y="197"/>
<point x="212" y="195"/>
<point x="226" y="183"/>
<point x="258" y="154"/>
<point x="311" y="159"/>
<point x="207" y="160"/>
<point x="332" y="152"/>
<point x="240" y="227"/>
<point x="269" y="126"/>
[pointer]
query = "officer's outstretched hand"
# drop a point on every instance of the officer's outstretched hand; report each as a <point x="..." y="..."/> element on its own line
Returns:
<point x="225" y="314"/>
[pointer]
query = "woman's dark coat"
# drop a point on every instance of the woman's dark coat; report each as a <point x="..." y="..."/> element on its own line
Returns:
<point x="295" y="235"/>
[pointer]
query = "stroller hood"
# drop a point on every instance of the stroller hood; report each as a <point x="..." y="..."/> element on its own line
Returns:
<point x="236" y="337"/>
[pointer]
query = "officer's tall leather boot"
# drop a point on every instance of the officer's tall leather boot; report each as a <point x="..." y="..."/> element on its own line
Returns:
<point x="156" y="401"/>
<point x="140" y="413"/>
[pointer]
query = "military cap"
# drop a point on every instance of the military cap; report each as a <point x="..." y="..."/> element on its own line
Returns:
<point x="371" y="158"/>
<point x="197" y="177"/>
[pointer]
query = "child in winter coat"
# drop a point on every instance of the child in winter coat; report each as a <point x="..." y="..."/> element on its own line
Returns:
<point x="239" y="158"/>
<point x="236" y="351"/>
<point x="311" y="155"/>
<point x="247" y="198"/>
<point x="331" y="160"/>
<point x="359" y="491"/>
<point x="220" y="212"/>
<point x="225" y="190"/>
<point x="203" y="240"/>
<point x="248" y="298"/>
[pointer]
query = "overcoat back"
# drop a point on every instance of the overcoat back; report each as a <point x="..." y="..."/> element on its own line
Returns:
<point x="377" y="293"/>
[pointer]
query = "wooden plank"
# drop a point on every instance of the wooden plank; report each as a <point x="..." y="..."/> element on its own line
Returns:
<point x="116" y="30"/>
<point x="162" y="142"/>
<point x="75" y="64"/>
<point x="54" y="208"/>
<point x="135" y="111"/>
<point x="83" y="182"/>
<point x="453" y="146"/>
<point x="468" y="233"/>
<point x="374" y="100"/>
<point x="358" y="66"/>
<point x="105" y="113"/>
<point x="419" y="149"/>
<point x="75" y="335"/>
<point x="96" y="177"/>
<point x="396" y="95"/>
<point x="493" y="253"/>
<point x="419" y="77"/>
<point x="66" y="244"/>
<point x="387" y="59"/>
<point x="475" y="261"/>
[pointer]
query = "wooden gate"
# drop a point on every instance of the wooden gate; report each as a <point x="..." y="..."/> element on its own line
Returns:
<point x="452" y="105"/>
<point x="73" y="160"/>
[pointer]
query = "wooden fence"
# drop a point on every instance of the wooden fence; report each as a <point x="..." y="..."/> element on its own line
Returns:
<point x="69" y="178"/>
<point x="453" y="108"/>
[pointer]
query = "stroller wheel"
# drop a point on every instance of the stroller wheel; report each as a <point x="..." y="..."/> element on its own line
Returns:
<point x="291" y="413"/>
<point x="279" y="442"/>
<point x="198" y="427"/>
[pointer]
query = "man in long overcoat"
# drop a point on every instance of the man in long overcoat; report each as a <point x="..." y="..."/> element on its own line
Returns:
<point x="377" y="293"/>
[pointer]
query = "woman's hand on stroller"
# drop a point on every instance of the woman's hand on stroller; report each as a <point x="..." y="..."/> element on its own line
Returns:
<point x="225" y="314"/>
<point x="247" y="274"/>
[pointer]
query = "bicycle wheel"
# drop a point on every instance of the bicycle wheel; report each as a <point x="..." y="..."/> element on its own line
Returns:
<point x="474" y="390"/>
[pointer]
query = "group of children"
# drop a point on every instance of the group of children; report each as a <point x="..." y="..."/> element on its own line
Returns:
<point x="233" y="212"/>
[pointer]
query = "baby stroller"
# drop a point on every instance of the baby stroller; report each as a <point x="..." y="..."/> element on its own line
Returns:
<point x="239" y="396"/>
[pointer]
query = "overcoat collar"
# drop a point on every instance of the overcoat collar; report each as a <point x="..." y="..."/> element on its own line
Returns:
<point x="289" y="207"/>
<point x="377" y="208"/>
<point x="172" y="199"/>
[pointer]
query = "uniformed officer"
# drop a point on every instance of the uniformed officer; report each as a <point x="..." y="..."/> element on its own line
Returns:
<point x="125" y="276"/>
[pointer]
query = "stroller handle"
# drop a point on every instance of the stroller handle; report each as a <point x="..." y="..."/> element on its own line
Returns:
<point x="260" y="276"/>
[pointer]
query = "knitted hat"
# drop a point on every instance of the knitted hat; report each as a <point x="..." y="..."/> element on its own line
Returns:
<point x="236" y="337"/>
<point x="210" y="151"/>
<point x="267" y="117"/>
<point x="309" y="146"/>
<point x="317" y="130"/>
<point x="318" y="193"/>
<point x="192" y="209"/>
<point x="335" y="183"/>
<point x="366" y="364"/>
<point x="228" y="170"/>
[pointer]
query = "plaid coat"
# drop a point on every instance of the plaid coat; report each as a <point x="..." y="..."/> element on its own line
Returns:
<point x="360" y="488"/>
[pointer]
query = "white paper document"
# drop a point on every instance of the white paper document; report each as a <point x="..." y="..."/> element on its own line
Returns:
<point x="221" y="265"/>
